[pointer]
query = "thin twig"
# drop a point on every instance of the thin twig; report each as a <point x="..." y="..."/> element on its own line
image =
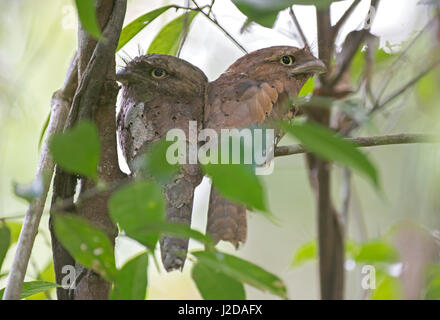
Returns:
<point x="298" y="27"/>
<point x="367" y="142"/>
<point x="408" y="85"/>
<point x="380" y="105"/>
<point x="210" y="7"/>
<point x="60" y="108"/>
<point x="226" y="33"/>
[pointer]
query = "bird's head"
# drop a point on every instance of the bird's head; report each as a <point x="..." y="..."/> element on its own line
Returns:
<point x="289" y="66"/>
<point x="162" y="74"/>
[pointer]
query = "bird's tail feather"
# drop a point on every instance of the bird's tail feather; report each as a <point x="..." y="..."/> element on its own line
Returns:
<point x="179" y="195"/>
<point x="226" y="220"/>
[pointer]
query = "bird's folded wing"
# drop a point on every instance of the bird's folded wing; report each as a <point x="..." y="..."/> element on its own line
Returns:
<point x="239" y="104"/>
<point x="235" y="103"/>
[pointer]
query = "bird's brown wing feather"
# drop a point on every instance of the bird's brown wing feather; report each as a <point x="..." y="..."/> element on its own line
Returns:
<point x="235" y="102"/>
<point x="239" y="104"/>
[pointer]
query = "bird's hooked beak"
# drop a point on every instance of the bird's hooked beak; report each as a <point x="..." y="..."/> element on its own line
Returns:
<point x="314" y="66"/>
<point x="123" y="75"/>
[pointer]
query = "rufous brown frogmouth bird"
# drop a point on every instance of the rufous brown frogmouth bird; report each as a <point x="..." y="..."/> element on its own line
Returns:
<point x="160" y="93"/>
<point x="253" y="90"/>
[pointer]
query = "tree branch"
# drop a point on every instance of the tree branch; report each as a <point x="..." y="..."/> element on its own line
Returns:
<point x="98" y="102"/>
<point x="59" y="110"/>
<point x="330" y="235"/>
<point x="403" y="138"/>
<point x="88" y="89"/>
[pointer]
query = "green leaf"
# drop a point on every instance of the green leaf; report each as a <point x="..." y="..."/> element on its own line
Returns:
<point x="388" y="288"/>
<point x="432" y="290"/>
<point x="265" y="12"/>
<point x="326" y="144"/>
<point x="88" y="244"/>
<point x="262" y="12"/>
<point x="377" y="251"/>
<point x="174" y="229"/>
<point x="352" y="249"/>
<point x="357" y="65"/>
<point x="5" y="241"/>
<point x="320" y="4"/>
<point x="131" y="280"/>
<point x="238" y="183"/>
<point x="242" y="271"/>
<point x="15" y="228"/>
<point x="136" y="207"/>
<point x="78" y="150"/>
<point x="87" y="16"/>
<point x="134" y="27"/>
<point x="154" y="162"/>
<point x="48" y="273"/>
<point x="383" y="57"/>
<point x="216" y="285"/>
<point x="33" y="287"/>
<point x="168" y="39"/>
<point x="307" y="251"/>
<point x="307" y="88"/>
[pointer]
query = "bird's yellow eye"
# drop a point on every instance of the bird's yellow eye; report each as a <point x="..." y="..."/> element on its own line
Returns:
<point x="158" y="73"/>
<point x="287" y="60"/>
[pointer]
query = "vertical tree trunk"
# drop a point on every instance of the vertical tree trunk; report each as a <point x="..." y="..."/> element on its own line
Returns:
<point x="330" y="233"/>
<point x="100" y="105"/>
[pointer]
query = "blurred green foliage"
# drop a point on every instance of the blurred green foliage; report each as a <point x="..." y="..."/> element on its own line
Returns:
<point x="78" y="149"/>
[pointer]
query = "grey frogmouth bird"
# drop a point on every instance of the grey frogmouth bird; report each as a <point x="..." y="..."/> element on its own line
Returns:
<point x="160" y="93"/>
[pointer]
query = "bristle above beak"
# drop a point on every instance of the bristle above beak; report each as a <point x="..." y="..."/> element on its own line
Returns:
<point x="315" y="66"/>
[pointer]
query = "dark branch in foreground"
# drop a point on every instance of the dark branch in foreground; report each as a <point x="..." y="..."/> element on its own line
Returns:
<point x="367" y="142"/>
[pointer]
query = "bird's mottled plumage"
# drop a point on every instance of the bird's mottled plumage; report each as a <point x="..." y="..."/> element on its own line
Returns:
<point x="152" y="104"/>
<point x="254" y="90"/>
